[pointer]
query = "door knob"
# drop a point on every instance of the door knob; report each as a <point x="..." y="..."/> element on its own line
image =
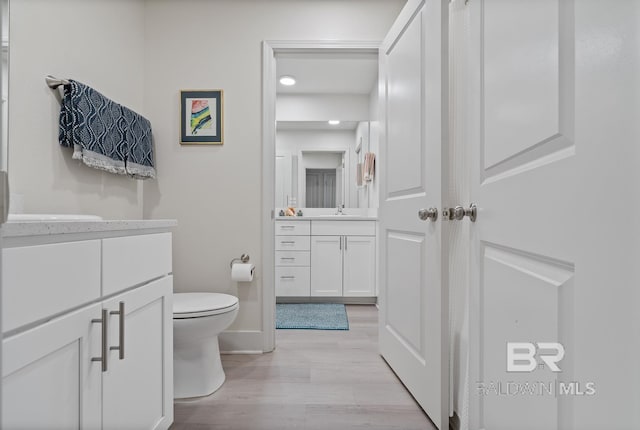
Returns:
<point x="425" y="214"/>
<point x="459" y="213"/>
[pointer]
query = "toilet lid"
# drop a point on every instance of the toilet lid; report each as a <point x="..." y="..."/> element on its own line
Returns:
<point x="194" y="305"/>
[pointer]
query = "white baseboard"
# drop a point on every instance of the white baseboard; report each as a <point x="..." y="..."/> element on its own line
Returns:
<point x="241" y="342"/>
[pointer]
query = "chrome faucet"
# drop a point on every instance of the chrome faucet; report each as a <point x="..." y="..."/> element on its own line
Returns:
<point x="339" y="210"/>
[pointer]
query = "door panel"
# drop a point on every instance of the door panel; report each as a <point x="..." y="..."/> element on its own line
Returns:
<point x="405" y="254"/>
<point x="521" y="77"/>
<point x="413" y="299"/>
<point x="404" y="112"/>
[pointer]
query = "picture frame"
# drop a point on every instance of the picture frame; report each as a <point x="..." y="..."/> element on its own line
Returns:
<point x="201" y="117"/>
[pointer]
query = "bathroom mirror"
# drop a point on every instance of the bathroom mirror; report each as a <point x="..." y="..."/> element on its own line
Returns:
<point x="325" y="108"/>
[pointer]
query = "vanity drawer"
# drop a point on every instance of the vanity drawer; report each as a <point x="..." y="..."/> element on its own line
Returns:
<point x="293" y="243"/>
<point x="132" y="260"/>
<point x="293" y="228"/>
<point x="293" y="258"/>
<point x="45" y="280"/>
<point x="346" y="228"/>
<point x="293" y="281"/>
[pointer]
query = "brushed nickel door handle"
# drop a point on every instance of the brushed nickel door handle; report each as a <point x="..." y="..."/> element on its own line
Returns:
<point x="428" y="214"/>
<point x="458" y="213"/>
<point x="120" y="347"/>
<point x="105" y="350"/>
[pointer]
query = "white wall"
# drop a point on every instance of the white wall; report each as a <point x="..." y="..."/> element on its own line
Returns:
<point x="98" y="42"/>
<point x="214" y="191"/>
<point x="322" y="107"/>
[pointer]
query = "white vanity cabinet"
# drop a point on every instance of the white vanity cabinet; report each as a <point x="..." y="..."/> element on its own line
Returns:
<point x="95" y="359"/>
<point x="343" y="256"/>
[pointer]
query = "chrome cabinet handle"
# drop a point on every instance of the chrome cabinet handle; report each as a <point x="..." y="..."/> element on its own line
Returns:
<point x="428" y="214"/>
<point x="458" y="213"/>
<point x="345" y="243"/>
<point x="105" y="350"/>
<point x="288" y="227"/>
<point x="287" y="258"/>
<point x="287" y="241"/>
<point x="120" y="347"/>
<point x="340" y="242"/>
<point x="287" y="277"/>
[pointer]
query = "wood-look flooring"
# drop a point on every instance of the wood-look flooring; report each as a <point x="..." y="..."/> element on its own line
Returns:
<point x="314" y="380"/>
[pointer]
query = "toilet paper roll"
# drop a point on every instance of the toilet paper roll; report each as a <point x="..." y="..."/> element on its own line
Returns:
<point x="242" y="272"/>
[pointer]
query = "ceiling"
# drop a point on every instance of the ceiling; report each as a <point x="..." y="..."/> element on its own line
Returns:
<point x="328" y="73"/>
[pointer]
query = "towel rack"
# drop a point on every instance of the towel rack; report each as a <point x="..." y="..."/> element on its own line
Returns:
<point x="54" y="82"/>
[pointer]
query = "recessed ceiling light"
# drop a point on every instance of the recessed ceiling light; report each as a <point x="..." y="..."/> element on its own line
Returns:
<point x="287" y="80"/>
<point x="334" y="122"/>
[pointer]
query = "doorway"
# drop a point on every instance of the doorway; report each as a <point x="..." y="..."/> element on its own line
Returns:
<point x="272" y="50"/>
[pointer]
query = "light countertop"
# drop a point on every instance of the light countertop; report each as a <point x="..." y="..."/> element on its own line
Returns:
<point x="327" y="218"/>
<point x="16" y="229"/>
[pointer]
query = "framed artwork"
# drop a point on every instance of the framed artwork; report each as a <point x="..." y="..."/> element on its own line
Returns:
<point x="201" y="118"/>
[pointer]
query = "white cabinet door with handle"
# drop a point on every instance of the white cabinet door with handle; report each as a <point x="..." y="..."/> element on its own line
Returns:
<point x="138" y="385"/>
<point x="326" y="265"/>
<point x="49" y="379"/>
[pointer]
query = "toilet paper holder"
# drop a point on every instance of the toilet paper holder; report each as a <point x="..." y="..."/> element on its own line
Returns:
<point x="244" y="258"/>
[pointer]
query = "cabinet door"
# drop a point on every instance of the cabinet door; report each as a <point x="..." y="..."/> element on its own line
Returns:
<point x="138" y="389"/>
<point x="359" y="266"/>
<point x="326" y="266"/>
<point x="48" y="378"/>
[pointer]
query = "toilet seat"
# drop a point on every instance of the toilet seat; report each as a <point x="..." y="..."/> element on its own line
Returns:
<point x="198" y="305"/>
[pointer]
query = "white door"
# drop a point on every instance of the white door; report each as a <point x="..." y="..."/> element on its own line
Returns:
<point x="138" y="386"/>
<point x="554" y="258"/>
<point x="326" y="266"/>
<point x="413" y="298"/>
<point x="359" y="272"/>
<point x="48" y="377"/>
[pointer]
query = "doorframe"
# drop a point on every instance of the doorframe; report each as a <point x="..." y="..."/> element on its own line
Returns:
<point x="269" y="49"/>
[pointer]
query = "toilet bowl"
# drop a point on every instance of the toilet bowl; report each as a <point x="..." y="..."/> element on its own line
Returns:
<point x="198" y="318"/>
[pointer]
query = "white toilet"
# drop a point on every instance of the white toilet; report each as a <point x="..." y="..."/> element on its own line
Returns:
<point x="198" y="319"/>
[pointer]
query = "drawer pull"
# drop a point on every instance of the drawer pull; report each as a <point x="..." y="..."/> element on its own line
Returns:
<point x="287" y="241"/>
<point x="288" y="227"/>
<point x="288" y="258"/>
<point x="104" y="321"/>
<point x="287" y="277"/>
<point x="120" y="347"/>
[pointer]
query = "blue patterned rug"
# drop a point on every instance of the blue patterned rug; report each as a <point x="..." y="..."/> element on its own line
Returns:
<point x="311" y="316"/>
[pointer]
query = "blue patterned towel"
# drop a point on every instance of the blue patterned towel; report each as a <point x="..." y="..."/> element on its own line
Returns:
<point x="104" y="134"/>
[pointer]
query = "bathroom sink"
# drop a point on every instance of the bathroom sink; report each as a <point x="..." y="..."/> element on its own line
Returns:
<point x="51" y="218"/>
